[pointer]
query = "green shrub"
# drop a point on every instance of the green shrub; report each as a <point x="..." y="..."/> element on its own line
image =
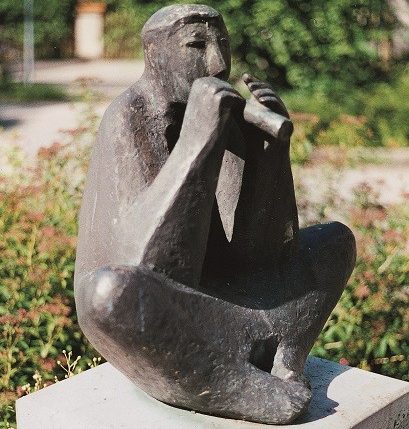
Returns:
<point x="122" y="34"/>
<point x="369" y="328"/>
<point x="353" y="117"/>
<point x="346" y="131"/>
<point x="301" y="141"/>
<point x="38" y="226"/>
<point x="53" y="25"/>
<point x="19" y="92"/>
<point x="386" y="108"/>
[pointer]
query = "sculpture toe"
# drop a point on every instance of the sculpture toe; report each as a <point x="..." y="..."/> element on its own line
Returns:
<point x="260" y="397"/>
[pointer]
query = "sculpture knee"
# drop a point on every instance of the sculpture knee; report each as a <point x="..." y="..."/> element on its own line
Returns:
<point x="331" y="252"/>
<point x="345" y="241"/>
<point x="101" y="296"/>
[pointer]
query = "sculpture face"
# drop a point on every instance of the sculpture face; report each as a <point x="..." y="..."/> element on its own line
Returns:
<point x="198" y="49"/>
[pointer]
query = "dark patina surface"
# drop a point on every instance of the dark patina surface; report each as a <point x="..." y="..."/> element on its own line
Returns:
<point x="192" y="276"/>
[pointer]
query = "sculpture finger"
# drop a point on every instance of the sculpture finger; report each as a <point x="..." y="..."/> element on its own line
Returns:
<point x="254" y="86"/>
<point x="274" y="104"/>
<point x="248" y="78"/>
<point x="267" y="92"/>
<point x="264" y="92"/>
<point x="231" y="99"/>
<point x="253" y="83"/>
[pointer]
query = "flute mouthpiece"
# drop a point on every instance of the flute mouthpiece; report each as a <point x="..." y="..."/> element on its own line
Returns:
<point x="272" y="123"/>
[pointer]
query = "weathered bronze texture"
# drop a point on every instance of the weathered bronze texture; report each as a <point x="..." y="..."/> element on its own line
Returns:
<point x="192" y="276"/>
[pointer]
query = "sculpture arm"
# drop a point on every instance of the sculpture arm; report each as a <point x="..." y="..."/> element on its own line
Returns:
<point x="173" y="214"/>
<point x="266" y="218"/>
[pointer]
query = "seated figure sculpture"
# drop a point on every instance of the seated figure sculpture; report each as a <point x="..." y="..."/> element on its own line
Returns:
<point x="192" y="276"/>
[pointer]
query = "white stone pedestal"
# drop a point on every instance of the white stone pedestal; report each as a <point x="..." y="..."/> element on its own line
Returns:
<point x="102" y="398"/>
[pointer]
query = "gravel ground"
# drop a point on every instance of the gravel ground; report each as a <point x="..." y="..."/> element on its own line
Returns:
<point x="32" y="126"/>
<point x="391" y="183"/>
<point x="109" y="77"/>
<point x="35" y="125"/>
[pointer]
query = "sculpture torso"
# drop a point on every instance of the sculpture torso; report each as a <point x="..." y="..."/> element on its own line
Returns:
<point x="136" y="136"/>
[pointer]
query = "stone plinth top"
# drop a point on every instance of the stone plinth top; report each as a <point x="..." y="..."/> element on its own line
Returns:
<point x="102" y="398"/>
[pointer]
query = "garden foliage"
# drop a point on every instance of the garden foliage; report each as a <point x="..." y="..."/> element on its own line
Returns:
<point x="290" y="43"/>
<point x="375" y="116"/>
<point x="53" y="26"/>
<point x="38" y="229"/>
<point x="369" y="328"/>
<point x="30" y="92"/>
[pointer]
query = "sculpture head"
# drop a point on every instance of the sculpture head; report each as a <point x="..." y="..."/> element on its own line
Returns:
<point x="183" y="43"/>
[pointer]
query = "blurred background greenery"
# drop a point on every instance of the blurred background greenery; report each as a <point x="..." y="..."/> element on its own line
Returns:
<point x="295" y="44"/>
<point x="327" y="58"/>
<point x="340" y="66"/>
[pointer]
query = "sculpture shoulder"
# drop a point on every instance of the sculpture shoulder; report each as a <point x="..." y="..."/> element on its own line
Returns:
<point x="134" y="124"/>
<point x="130" y="146"/>
<point x="127" y="111"/>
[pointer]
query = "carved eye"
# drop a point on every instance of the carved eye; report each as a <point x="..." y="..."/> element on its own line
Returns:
<point x="223" y="41"/>
<point x="198" y="44"/>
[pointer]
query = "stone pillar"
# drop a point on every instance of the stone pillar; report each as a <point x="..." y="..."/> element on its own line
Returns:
<point x="400" y="38"/>
<point x="89" y="30"/>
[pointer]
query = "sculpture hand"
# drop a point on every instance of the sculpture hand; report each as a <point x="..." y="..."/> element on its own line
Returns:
<point x="264" y="94"/>
<point x="211" y="98"/>
<point x="210" y="102"/>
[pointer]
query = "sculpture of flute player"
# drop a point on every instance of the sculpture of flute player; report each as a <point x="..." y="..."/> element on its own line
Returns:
<point x="192" y="276"/>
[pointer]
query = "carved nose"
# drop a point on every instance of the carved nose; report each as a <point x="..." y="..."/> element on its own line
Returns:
<point x="217" y="66"/>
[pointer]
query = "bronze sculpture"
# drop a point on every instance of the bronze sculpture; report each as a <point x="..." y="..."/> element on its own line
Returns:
<point x="192" y="276"/>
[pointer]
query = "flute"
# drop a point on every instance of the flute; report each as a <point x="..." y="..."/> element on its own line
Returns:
<point x="272" y="123"/>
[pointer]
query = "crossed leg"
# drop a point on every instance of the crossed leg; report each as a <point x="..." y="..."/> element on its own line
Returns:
<point x="316" y="277"/>
<point x="185" y="348"/>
